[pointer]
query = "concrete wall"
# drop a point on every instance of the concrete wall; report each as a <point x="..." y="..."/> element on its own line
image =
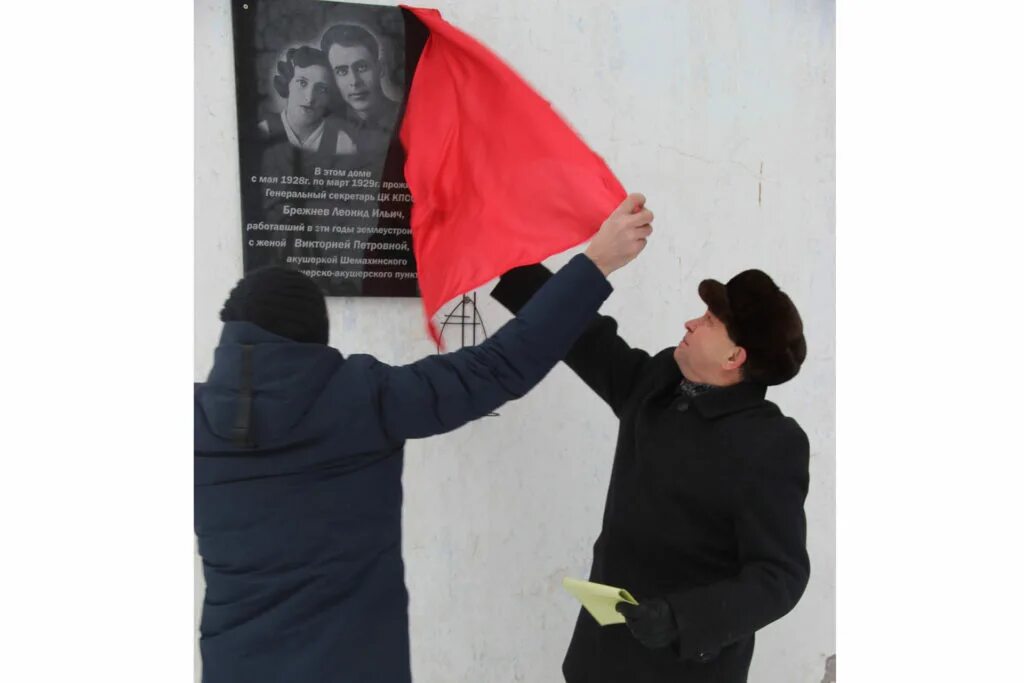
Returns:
<point x="723" y="114"/>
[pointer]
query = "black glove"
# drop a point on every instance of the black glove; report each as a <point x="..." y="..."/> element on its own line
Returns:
<point x="651" y="622"/>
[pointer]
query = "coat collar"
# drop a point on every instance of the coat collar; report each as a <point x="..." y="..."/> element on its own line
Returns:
<point x="719" y="401"/>
<point x="732" y="399"/>
<point x="241" y="332"/>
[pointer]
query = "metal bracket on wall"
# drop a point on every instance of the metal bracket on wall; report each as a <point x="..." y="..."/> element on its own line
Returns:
<point x="465" y="318"/>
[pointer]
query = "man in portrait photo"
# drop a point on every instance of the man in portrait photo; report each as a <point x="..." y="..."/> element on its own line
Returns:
<point x="354" y="56"/>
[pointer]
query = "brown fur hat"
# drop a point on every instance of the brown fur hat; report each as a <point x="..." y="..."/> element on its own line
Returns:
<point x="762" y="319"/>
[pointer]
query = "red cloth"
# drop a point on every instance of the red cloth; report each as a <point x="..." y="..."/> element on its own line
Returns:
<point x="498" y="179"/>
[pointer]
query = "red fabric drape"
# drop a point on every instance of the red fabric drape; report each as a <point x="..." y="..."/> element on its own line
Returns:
<point x="498" y="179"/>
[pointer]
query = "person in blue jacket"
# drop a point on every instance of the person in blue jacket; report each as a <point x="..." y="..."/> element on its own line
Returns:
<point x="298" y="464"/>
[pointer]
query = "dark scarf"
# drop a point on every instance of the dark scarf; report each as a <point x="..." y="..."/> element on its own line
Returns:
<point x="691" y="389"/>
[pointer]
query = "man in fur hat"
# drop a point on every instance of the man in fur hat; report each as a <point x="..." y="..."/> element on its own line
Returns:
<point x="704" y="521"/>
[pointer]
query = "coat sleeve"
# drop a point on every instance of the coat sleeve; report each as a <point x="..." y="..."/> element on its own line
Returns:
<point x="440" y="393"/>
<point x="771" y="532"/>
<point x="601" y="358"/>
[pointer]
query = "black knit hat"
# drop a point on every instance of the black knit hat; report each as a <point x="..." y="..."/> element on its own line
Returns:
<point x="763" y="320"/>
<point x="279" y="300"/>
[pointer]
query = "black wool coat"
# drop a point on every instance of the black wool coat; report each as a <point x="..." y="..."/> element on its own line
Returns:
<point x="704" y="509"/>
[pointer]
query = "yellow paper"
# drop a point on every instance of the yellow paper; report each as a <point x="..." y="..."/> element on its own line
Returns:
<point x="599" y="599"/>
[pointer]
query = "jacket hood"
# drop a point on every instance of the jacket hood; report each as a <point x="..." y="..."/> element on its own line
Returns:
<point x="261" y="384"/>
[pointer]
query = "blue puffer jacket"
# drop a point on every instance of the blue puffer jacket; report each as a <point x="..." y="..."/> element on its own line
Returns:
<point x="298" y="494"/>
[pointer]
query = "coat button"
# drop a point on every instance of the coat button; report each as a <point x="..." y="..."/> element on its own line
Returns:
<point x="683" y="406"/>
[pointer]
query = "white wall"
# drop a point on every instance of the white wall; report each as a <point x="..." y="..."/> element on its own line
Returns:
<point x="723" y="114"/>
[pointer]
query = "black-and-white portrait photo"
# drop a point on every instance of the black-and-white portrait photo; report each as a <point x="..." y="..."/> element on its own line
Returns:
<point x="320" y="93"/>
<point x="303" y="79"/>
